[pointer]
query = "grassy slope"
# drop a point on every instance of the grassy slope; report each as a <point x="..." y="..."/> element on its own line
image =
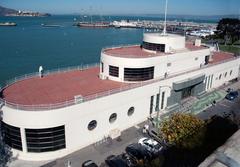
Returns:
<point x="230" y="48"/>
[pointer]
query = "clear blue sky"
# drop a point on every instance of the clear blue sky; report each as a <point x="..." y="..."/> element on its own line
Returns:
<point x="193" y="7"/>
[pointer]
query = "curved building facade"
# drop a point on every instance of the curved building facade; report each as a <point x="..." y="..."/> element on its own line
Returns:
<point x="50" y="117"/>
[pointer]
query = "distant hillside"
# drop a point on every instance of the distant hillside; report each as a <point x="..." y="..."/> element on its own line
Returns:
<point x="5" y="11"/>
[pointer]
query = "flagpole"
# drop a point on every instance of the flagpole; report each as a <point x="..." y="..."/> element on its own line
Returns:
<point x="165" y="20"/>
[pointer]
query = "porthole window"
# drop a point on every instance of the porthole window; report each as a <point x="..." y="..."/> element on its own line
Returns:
<point x="230" y="72"/>
<point x="131" y="111"/>
<point x="196" y="58"/>
<point x="225" y="74"/>
<point x="220" y="76"/>
<point x="92" y="125"/>
<point x="112" y="117"/>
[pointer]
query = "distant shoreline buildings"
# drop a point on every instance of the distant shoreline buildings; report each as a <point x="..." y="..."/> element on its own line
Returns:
<point x="29" y="14"/>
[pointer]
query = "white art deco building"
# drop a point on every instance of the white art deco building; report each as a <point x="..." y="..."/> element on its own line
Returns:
<point x="49" y="117"/>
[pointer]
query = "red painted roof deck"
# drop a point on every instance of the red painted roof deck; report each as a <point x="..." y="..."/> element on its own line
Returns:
<point x="135" y="51"/>
<point x="62" y="87"/>
<point x="59" y="87"/>
<point x="220" y="56"/>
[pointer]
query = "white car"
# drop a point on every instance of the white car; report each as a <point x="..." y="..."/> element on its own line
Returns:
<point x="151" y="145"/>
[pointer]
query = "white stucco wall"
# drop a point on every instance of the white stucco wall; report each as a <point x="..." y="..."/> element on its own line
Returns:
<point x="172" y="42"/>
<point x="181" y="61"/>
<point x="76" y="118"/>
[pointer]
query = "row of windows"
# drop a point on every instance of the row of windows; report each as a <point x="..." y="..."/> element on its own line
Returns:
<point x="12" y="136"/>
<point x="48" y="139"/>
<point x="209" y="79"/>
<point x="138" y="74"/>
<point x="157" y="102"/>
<point x="46" y="130"/>
<point x="133" y="74"/>
<point x="153" y="46"/>
<point x="113" y="117"/>
<point x="47" y="149"/>
<point x="225" y="75"/>
<point x="38" y="140"/>
<point x="113" y="71"/>
<point x="44" y="134"/>
<point x="48" y="144"/>
<point x="45" y="139"/>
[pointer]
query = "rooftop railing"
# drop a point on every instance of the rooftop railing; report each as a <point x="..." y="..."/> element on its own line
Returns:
<point x="72" y="101"/>
<point x="119" y="46"/>
<point x="48" y="72"/>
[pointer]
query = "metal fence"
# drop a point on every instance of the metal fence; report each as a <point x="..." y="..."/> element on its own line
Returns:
<point x="48" y="72"/>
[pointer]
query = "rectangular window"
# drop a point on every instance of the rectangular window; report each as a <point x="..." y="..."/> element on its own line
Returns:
<point x="157" y="102"/>
<point x="151" y="104"/>
<point x="102" y="67"/>
<point x="11" y="136"/>
<point x="138" y="74"/>
<point x="153" y="46"/>
<point x="169" y="64"/>
<point x="113" y="71"/>
<point x="211" y="81"/>
<point x="44" y="140"/>
<point x="162" y="102"/>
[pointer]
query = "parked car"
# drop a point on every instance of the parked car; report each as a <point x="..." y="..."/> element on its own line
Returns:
<point x="151" y="145"/>
<point x="115" y="161"/>
<point x="89" y="163"/>
<point x="232" y="95"/>
<point x="130" y="161"/>
<point x="138" y="152"/>
<point x="229" y="90"/>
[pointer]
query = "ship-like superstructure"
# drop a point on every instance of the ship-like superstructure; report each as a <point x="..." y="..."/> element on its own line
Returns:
<point x="50" y="116"/>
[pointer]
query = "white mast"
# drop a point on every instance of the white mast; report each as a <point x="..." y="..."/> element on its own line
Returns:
<point x="165" y="21"/>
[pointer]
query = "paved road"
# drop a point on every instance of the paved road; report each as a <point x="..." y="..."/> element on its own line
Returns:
<point x="98" y="152"/>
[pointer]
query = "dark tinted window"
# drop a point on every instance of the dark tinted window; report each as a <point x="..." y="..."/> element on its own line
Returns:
<point x="12" y="136"/>
<point x="138" y="74"/>
<point x="157" y="102"/>
<point x="44" y="140"/>
<point x="102" y="66"/>
<point x="154" y="47"/>
<point x="113" y="71"/>
<point x="113" y="118"/>
<point x="162" y="102"/>
<point x="92" y="125"/>
<point x="131" y="111"/>
<point x="151" y="104"/>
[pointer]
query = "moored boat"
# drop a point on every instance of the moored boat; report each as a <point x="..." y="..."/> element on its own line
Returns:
<point x="8" y="24"/>
<point x="93" y="25"/>
<point x="50" y="25"/>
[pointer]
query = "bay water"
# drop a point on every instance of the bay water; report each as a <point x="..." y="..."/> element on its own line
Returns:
<point x="28" y="45"/>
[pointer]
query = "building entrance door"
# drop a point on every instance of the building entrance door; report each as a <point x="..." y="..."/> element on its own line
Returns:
<point x="187" y="92"/>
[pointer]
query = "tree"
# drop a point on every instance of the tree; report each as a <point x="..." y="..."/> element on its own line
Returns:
<point x="5" y="150"/>
<point x="229" y="29"/>
<point x="183" y="130"/>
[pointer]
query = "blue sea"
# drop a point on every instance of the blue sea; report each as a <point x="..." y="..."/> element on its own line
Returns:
<point x="28" y="45"/>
